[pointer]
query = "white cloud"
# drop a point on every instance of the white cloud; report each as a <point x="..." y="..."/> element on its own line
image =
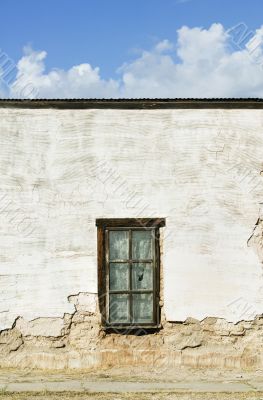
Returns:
<point x="202" y="63"/>
<point x="79" y="81"/>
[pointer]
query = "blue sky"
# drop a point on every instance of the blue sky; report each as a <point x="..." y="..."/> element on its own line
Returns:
<point x="111" y="33"/>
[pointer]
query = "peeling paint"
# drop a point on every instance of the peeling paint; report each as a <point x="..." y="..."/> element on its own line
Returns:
<point x="212" y="342"/>
<point x="41" y="327"/>
<point x="84" y="301"/>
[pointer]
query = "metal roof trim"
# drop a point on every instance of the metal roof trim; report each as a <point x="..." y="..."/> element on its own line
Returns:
<point x="141" y="103"/>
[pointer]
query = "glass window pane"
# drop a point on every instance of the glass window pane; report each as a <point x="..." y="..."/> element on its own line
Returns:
<point x="119" y="276"/>
<point x="119" y="308"/>
<point x="142" y="244"/>
<point x="142" y="276"/>
<point x="119" y="245"/>
<point x="143" y="308"/>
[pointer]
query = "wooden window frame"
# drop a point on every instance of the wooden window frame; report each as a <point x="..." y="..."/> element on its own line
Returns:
<point x="103" y="227"/>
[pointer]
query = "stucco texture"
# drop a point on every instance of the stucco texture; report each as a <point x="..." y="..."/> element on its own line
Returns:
<point x="62" y="169"/>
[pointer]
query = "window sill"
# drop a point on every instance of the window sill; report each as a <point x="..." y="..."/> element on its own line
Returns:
<point x="131" y="328"/>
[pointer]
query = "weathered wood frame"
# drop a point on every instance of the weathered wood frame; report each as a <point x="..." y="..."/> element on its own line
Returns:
<point x="103" y="226"/>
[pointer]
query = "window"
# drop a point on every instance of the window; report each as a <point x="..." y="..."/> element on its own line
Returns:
<point x="129" y="272"/>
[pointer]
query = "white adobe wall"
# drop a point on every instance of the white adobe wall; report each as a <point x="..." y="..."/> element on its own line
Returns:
<point x="62" y="169"/>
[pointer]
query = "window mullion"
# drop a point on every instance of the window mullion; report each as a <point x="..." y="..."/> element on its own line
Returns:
<point x="107" y="294"/>
<point x="130" y="275"/>
<point x="155" y="271"/>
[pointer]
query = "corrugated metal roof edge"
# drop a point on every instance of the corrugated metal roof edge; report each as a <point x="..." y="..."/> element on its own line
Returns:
<point x="139" y="103"/>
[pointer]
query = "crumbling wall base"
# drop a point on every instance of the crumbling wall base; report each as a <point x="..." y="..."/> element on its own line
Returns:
<point x="78" y="342"/>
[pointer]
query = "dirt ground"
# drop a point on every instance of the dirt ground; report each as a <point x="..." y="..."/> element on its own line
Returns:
<point x="131" y="384"/>
<point x="131" y="396"/>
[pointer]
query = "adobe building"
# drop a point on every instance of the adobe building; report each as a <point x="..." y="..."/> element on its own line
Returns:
<point x="131" y="233"/>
